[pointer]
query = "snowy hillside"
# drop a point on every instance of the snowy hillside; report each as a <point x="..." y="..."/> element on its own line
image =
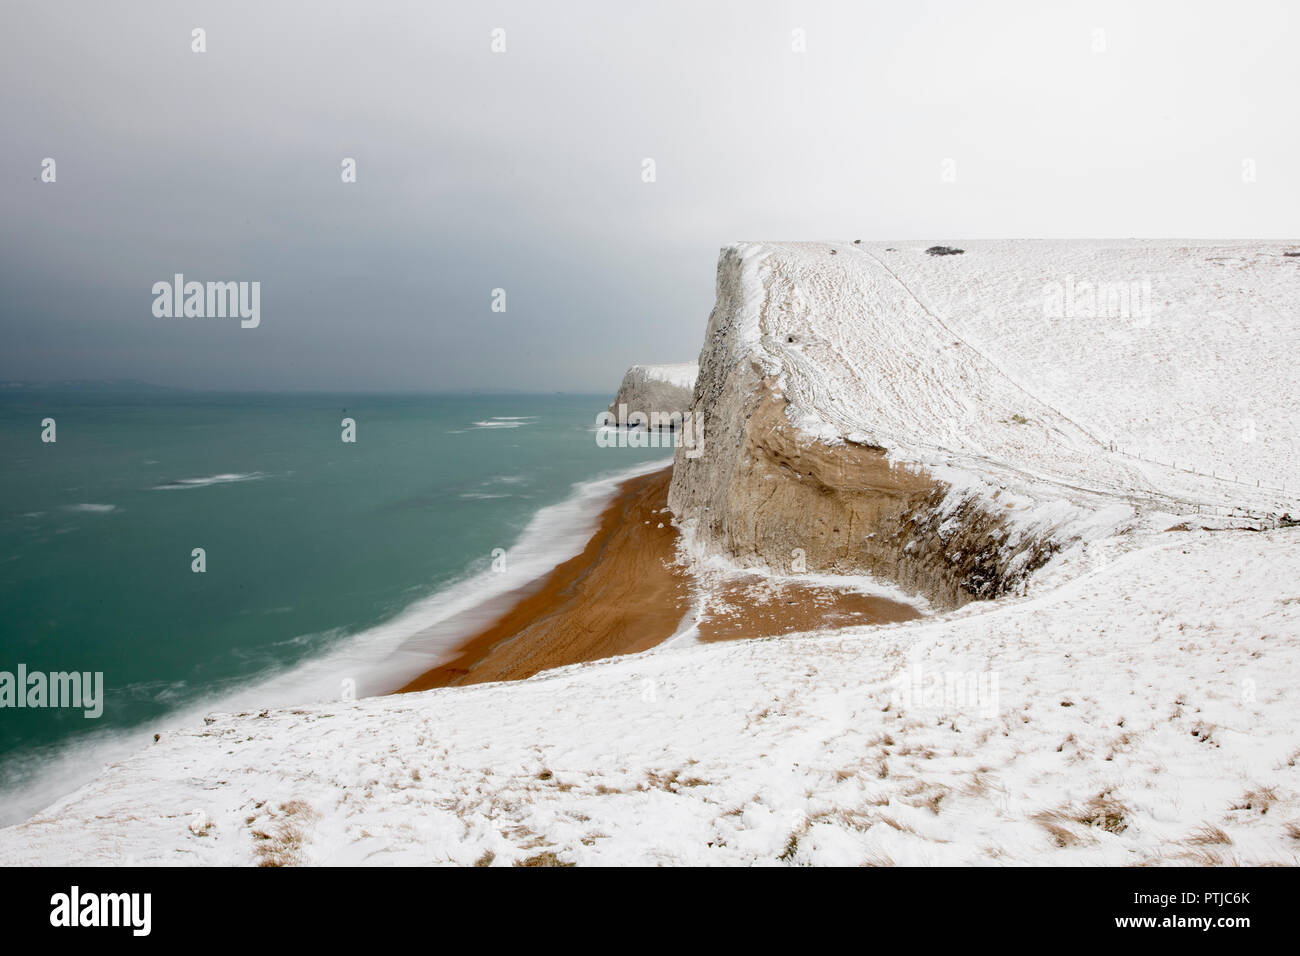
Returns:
<point x="1144" y="713"/>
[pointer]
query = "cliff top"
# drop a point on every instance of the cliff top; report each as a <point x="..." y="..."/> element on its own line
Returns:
<point x="1143" y="367"/>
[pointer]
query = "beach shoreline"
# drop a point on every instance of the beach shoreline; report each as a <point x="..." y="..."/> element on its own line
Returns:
<point x="627" y="592"/>
<point x="622" y="594"/>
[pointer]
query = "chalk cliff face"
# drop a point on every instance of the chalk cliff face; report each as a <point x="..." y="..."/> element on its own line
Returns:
<point x="931" y="420"/>
<point x="766" y="492"/>
<point x="656" y="389"/>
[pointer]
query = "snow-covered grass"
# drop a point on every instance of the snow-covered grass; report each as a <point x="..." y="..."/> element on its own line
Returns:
<point x="1145" y="712"/>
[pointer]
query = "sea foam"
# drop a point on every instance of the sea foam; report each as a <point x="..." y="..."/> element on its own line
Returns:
<point x="222" y="479"/>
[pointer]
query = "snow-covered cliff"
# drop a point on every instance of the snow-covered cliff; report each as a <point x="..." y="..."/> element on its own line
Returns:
<point x="656" y="389"/>
<point x="949" y="421"/>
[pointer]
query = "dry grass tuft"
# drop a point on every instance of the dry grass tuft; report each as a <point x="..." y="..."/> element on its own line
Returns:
<point x="900" y="827"/>
<point x="1258" y="800"/>
<point x="1105" y="812"/>
<point x="1102" y="812"/>
<point x="282" y="842"/>
<point x="1056" y="825"/>
<point x="791" y="848"/>
<point x="672" y="782"/>
<point x="1208" y="835"/>
<point x="543" y="859"/>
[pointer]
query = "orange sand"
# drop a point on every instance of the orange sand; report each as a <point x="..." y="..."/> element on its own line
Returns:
<point x="763" y="608"/>
<point x="624" y="593"/>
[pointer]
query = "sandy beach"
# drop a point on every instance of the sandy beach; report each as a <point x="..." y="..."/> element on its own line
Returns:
<point x="621" y="595"/>
<point x="625" y="593"/>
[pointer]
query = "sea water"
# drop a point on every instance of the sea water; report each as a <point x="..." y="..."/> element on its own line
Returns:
<point x="330" y="569"/>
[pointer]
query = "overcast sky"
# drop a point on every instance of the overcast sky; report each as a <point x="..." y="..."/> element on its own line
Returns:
<point x="522" y="170"/>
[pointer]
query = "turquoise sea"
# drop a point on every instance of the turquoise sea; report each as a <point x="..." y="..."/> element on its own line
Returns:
<point x="331" y="567"/>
